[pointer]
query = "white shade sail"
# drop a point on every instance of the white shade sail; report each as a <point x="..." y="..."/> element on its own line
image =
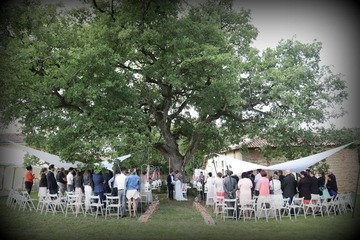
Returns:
<point x="301" y="164"/>
<point x="239" y="166"/>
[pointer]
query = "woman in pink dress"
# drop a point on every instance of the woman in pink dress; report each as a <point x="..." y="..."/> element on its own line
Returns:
<point x="264" y="189"/>
<point x="245" y="185"/>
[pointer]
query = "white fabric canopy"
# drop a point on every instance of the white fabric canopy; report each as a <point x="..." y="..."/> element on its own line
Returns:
<point x="11" y="157"/>
<point x="301" y="164"/>
<point x="239" y="166"/>
<point x="47" y="157"/>
<point x="110" y="164"/>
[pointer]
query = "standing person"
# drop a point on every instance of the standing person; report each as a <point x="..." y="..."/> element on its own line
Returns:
<point x="51" y="181"/>
<point x="245" y="185"/>
<point x="263" y="184"/>
<point x="219" y="190"/>
<point x="132" y="189"/>
<point x="29" y="179"/>
<point x="331" y="183"/>
<point x="88" y="188"/>
<point x="79" y="183"/>
<point x="179" y="196"/>
<point x="201" y="179"/>
<point x="107" y="175"/>
<point x="61" y="180"/>
<point x="252" y="178"/>
<point x="304" y="187"/>
<point x="321" y="182"/>
<point x="211" y="194"/>
<point x="256" y="181"/>
<point x="98" y="180"/>
<point x="219" y="185"/>
<point x="275" y="185"/>
<point x="288" y="187"/>
<point x="120" y="182"/>
<point x="314" y="185"/>
<point x="280" y="175"/>
<point x="113" y="184"/>
<point x="70" y="180"/>
<point x="230" y="187"/>
<point x="145" y="188"/>
<point x="42" y="183"/>
<point x="170" y="185"/>
<point x="79" y="188"/>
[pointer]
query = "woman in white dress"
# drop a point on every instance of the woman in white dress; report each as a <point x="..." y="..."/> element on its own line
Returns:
<point x="178" y="188"/>
<point x="211" y="194"/>
<point x="244" y="185"/>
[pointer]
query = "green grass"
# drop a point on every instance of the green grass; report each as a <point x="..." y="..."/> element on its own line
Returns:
<point x="171" y="220"/>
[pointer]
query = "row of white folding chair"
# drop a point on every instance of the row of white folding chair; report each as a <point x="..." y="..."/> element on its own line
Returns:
<point x="14" y="199"/>
<point x="111" y="206"/>
<point x="20" y="199"/>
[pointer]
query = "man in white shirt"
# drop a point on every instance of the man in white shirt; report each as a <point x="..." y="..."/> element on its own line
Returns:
<point x="70" y="180"/>
<point x="256" y="181"/>
<point x="120" y="183"/>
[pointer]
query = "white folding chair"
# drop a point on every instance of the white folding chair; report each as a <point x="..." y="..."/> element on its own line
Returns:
<point x="95" y="203"/>
<point x="219" y="205"/>
<point x="265" y="208"/>
<point x="297" y="206"/>
<point x="53" y="204"/>
<point x="74" y="204"/>
<point x="345" y="202"/>
<point x="113" y="207"/>
<point x="11" y="200"/>
<point x="285" y="209"/>
<point x="229" y="209"/>
<point x="247" y="209"/>
<point x="29" y="201"/>
<point x="279" y="205"/>
<point x="337" y="205"/>
<point x="314" y="206"/>
<point x="348" y="201"/>
<point x="327" y="205"/>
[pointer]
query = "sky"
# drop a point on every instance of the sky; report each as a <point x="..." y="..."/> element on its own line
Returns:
<point x="334" y="24"/>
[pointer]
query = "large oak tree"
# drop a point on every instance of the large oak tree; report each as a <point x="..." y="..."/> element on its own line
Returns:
<point x="121" y="76"/>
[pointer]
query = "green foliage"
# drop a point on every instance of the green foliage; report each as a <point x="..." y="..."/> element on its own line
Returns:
<point x="30" y="160"/>
<point x="113" y="79"/>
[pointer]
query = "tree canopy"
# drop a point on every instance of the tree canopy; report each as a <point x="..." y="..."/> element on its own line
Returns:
<point x="118" y="77"/>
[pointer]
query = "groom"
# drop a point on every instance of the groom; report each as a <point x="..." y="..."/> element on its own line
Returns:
<point x="170" y="185"/>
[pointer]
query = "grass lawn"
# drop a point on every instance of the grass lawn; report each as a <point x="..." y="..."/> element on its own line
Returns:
<point x="172" y="220"/>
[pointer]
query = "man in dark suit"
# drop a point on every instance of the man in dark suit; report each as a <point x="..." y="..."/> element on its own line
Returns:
<point x="51" y="181"/>
<point x="170" y="185"/>
<point x="289" y="186"/>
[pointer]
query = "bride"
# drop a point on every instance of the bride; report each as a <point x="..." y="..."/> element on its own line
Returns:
<point x="178" y="188"/>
